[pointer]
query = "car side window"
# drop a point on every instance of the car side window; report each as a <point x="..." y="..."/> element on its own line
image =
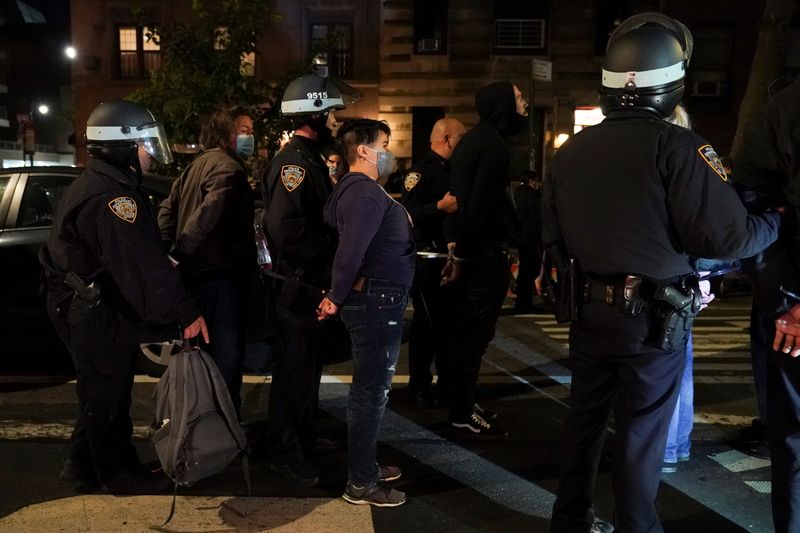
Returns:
<point x="3" y="184"/>
<point x="39" y="201"/>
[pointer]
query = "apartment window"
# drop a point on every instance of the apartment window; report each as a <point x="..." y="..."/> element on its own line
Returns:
<point x="430" y="26"/>
<point x="139" y="52"/>
<point x="520" y="26"/>
<point x="607" y="16"/>
<point x="707" y="80"/>
<point x="334" y="46"/>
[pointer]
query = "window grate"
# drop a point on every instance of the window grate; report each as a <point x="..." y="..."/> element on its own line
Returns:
<point x="520" y="33"/>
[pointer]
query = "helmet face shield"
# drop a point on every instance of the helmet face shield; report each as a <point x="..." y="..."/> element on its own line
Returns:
<point x="153" y="139"/>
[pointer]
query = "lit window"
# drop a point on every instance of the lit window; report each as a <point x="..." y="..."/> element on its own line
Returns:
<point x="587" y="116"/>
<point x="139" y="51"/>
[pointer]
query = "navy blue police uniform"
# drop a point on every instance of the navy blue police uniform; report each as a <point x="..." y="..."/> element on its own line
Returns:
<point x="295" y="188"/>
<point x="105" y="233"/>
<point x="431" y="335"/>
<point x="768" y="169"/>
<point x="634" y="195"/>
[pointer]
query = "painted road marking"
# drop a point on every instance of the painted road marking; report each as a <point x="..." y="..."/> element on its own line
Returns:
<point x="736" y="461"/>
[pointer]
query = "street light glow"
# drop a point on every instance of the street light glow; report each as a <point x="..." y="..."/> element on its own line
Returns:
<point x="71" y="52"/>
<point x="43" y="109"/>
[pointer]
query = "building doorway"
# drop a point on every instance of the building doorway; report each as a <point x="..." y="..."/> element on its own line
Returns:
<point x="422" y="121"/>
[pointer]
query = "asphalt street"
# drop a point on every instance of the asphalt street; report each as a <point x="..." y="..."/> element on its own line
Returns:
<point x="452" y="485"/>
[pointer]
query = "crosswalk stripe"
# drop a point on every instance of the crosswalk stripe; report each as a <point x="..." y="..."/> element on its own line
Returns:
<point x="736" y="461"/>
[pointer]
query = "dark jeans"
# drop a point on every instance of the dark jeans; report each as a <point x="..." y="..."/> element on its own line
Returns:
<point x="101" y="438"/>
<point x="483" y="287"/>
<point x="783" y="405"/>
<point x="223" y="303"/>
<point x="374" y="319"/>
<point x="614" y="370"/>
<point x="431" y="335"/>
<point x="296" y="373"/>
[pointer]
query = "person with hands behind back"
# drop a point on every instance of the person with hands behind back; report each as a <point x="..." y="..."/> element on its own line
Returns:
<point x="373" y="269"/>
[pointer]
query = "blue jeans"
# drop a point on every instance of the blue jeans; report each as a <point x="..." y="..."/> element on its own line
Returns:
<point x="679" y="437"/>
<point x="374" y="319"/>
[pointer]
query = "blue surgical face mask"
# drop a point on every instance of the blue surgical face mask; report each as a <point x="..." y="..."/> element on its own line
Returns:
<point x="384" y="161"/>
<point x="245" y="145"/>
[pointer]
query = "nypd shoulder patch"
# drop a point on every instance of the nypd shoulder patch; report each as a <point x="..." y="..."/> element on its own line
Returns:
<point x="412" y="178"/>
<point x="124" y="207"/>
<point x="292" y="176"/>
<point x="712" y="159"/>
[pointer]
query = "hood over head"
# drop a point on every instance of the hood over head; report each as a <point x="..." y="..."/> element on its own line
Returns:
<point x="497" y="105"/>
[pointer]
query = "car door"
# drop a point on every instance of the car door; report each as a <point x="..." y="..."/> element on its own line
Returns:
<point x="25" y="330"/>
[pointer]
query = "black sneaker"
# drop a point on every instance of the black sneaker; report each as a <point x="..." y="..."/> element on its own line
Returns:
<point x="138" y="483"/>
<point x="378" y="495"/>
<point x="601" y="526"/>
<point x="669" y="468"/>
<point x="486" y="414"/>
<point x="475" y="426"/>
<point x="388" y="473"/>
<point x="298" y="473"/>
<point x="77" y="473"/>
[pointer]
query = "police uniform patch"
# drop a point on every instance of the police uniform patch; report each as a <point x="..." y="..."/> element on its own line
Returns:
<point x="710" y="156"/>
<point x="124" y="207"/>
<point x="292" y="176"/>
<point x="412" y="178"/>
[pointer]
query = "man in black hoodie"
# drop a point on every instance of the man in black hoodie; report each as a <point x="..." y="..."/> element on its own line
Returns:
<point x="484" y="226"/>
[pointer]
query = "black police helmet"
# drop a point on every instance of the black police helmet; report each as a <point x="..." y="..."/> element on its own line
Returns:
<point x="116" y="128"/>
<point x="312" y="94"/>
<point x="645" y="65"/>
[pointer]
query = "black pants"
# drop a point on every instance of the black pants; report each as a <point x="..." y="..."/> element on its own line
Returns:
<point x="431" y="335"/>
<point x="101" y="438"/>
<point x="613" y="370"/>
<point x="762" y="333"/>
<point x="783" y="407"/>
<point x="483" y="287"/>
<point x="530" y="262"/>
<point x="223" y="303"/>
<point x="296" y="373"/>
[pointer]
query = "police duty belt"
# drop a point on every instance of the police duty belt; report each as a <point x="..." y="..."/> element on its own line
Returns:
<point x="289" y="279"/>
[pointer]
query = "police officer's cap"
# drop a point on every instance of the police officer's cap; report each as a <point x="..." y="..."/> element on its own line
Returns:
<point x="645" y="64"/>
<point x="312" y="94"/>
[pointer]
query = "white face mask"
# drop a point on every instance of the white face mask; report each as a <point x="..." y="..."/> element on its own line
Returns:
<point x="384" y="161"/>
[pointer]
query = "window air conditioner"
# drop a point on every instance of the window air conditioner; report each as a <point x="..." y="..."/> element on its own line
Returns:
<point x="429" y="45"/>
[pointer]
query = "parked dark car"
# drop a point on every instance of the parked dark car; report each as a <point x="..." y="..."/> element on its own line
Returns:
<point x="28" y="342"/>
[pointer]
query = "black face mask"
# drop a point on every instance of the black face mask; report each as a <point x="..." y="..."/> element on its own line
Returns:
<point x="519" y="123"/>
<point x="320" y="127"/>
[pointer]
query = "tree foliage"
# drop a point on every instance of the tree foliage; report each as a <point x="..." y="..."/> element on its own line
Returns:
<point x="203" y="69"/>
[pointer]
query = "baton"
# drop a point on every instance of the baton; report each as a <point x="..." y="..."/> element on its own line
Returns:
<point x="431" y="255"/>
<point x="789" y="293"/>
<point x="288" y="279"/>
<point x="720" y="272"/>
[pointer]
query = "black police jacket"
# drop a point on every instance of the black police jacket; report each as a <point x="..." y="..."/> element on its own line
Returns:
<point x="208" y="215"/>
<point x="768" y="172"/>
<point x="638" y="195"/>
<point x="105" y="231"/>
<point x="424" y="185"/>
<point x="295" y="187"/>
